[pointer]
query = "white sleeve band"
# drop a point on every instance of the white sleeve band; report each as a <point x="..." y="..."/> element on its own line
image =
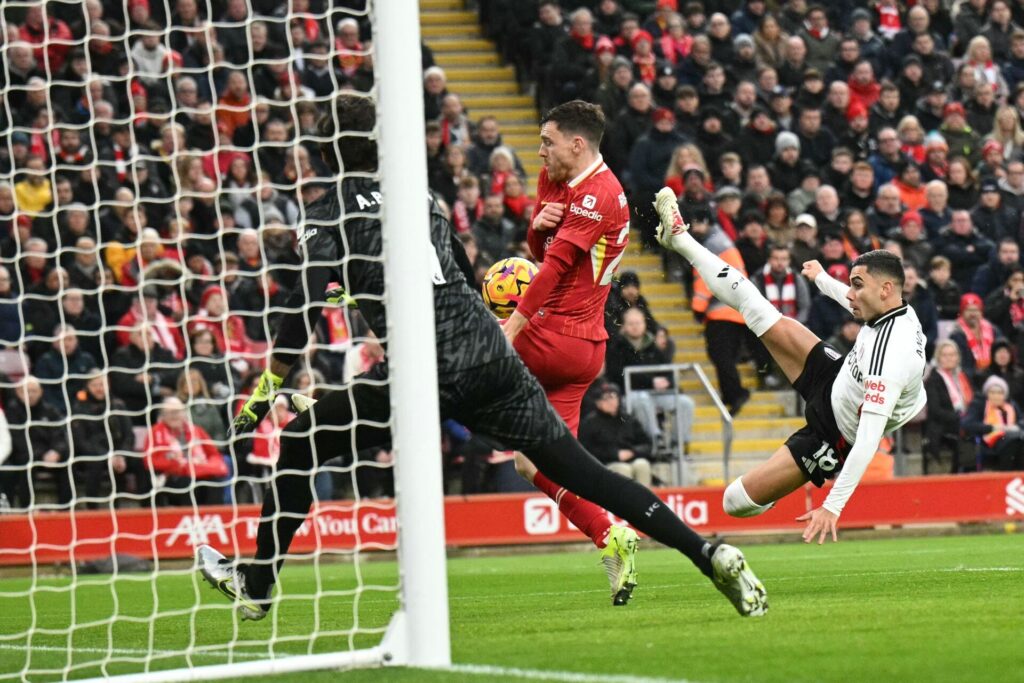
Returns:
<point x="833" y="289"/>
<point x="869" y="434"/>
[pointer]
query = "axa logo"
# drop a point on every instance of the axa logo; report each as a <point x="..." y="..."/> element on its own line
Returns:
<point x="197" y="530"/>
<point x="592" y="215"/>
<point x="1015" y="497"/>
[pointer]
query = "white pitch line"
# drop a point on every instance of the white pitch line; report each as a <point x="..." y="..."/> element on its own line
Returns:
<point x="561" y="676"/>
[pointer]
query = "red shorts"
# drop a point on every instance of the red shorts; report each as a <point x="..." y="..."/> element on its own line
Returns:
<point x="564" y="366"/>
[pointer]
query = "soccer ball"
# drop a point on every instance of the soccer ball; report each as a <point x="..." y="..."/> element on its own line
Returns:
<point x="505" y="284"/>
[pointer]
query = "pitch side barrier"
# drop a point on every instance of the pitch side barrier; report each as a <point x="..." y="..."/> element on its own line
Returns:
<point x="483" y="520"/>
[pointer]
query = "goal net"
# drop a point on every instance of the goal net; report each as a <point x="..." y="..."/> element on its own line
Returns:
<point x="156" y="159"/>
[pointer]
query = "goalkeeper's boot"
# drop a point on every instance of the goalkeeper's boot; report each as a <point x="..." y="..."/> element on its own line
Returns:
<point x="230" y="580"/>
<point x="732" y="577"/>
<point x="619" y="560"/>
<point x="670" y="221"/>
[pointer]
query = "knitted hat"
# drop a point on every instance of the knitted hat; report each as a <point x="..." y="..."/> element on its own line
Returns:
<point x="934" y="140"/>
<point x="210" y="291"/>
<point x="995" y="382"/>
<point x="856" y="110"/>
<point x="786" y="140"/>
<point x="970" y="299"/>
<point x="911" y="216"/>
<point x="952" y="108"/>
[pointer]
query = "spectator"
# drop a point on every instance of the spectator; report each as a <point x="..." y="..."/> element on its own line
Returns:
<point x="1005" y="365"/>
<point x="756" y="141"/>
<point x="936" y="214"/>
<point x="786" y="169"/>
<point x="936" y="158"/>
<point x="455" y="127"/>
<point x="624" y="295"/>
<point x="724" y="329"/>
<point x="104" y="443"/>
<point x="485" y="142"/>
<point x="917" y="250"/>
<point x="626" y="129"/>
<point x="887" y="161"/>
<point x="995" y="420"/>
<point x="616" y="438"/>
<point x="864" y="89"/>
<point x="887" y="211"/>
<point x="651" y="155"/>
<point x="142" y="372"/>
<point x="647" y="393"/>
<point x="221" y="379"/>
<point x="859" y="193"/>
<point x="979" y="58"/>
<point x="945" y="291"/>
<point x="39" y="447"/>
<point x="752" y="242"/>
<point x="468" y="207"/>
<point x="961" y="184"/>
<point x="202" y="410"/>
<point x="165" y="330"/>
<point x="965" y="247"/>
<point x="789" y="294"/>
<point x="908" y="183"/>
<point x="573" y="67"/>
<point x="435" y="89"/>
<point x="822" y="42"/>
<point x="1005" y="305"/>
<point x="10" y="311"/>
<point x="961" y="138"/>
<point x="991" y="218"/>
<point x="856" y="238"/>
<point x="974" y="335"/>
<point x="493" y="232"/>
<point x="34" y="193"/>
<point x="63" y="369"/>
<point x="185" y="456"/>
<point x="949" y="394"/>
<point x="916" y="293"/>
<point x="805" y="244"/>
<point x="827" y="211"/>
<point x="770" y="42"/>
<point x="845" y="337"/>
<point x="988" y="277"/>
<point x="612" y="94"/>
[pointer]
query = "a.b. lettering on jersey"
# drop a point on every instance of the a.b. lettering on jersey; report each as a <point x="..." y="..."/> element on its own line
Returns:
<point x="587" y="212"/>
<point x="876" y="386"/>
<point x="364" y="203"/>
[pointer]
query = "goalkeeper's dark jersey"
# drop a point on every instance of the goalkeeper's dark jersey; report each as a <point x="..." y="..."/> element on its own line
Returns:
<point x="341" y="241"/>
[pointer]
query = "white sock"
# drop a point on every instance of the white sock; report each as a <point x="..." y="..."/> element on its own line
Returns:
<point x="738" y="503"/>
<point x="729" y="285"/>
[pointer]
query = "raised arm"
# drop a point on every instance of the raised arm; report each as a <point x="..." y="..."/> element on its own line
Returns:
<point x="827" y="285"/>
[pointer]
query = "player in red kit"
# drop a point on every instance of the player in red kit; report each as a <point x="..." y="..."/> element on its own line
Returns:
<point x="579" y="231"/>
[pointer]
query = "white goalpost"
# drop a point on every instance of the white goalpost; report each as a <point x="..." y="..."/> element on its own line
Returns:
<point x="70" y="626"/>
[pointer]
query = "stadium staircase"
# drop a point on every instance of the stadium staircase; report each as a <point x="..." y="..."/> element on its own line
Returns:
<point x="476" y="74"/>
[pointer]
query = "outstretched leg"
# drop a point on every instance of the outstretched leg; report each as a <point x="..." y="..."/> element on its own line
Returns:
<point x="339" y="424"/>
<point x="787" y="340"/>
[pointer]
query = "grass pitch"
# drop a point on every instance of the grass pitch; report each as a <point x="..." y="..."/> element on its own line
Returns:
<point x="926" y="609"/>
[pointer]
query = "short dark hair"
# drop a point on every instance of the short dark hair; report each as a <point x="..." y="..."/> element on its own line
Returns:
<point x="777" y="246"/>
<point x="347" y="128"/>
<point x="578" y="118"/>
<point x="882" y="262"/>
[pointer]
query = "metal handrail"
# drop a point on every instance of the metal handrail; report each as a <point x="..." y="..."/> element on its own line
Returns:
<point x="676" y="369"/>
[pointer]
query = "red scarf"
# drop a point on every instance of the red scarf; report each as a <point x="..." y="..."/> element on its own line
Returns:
<point x="999" y="418"/>
<point x="350" y="59"/>
<point x="463" y="218"/>
<point x="647" y="67"/>
<point x="916" y="151"/>
<point x="981" y="348"/>
<point x="1017" y="312"/>
<point x="888" y="21"/>
<point x="816" y="33"/>
<point x="519" y="206"/>
<point x="865" y="94"/>
<point x="725" y="222"/>
<point x="586" y="42"/>
<point x="959" y="388"/>
<point x="675" y="50"/>
<point x="939" y="171"/>
<point x="781" y="295"/>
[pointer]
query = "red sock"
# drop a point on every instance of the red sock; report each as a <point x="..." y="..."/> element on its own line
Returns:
<point x="587" y="517"/>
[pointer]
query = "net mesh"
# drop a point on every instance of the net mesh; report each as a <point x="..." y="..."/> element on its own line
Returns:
<point x="155" y="159"/>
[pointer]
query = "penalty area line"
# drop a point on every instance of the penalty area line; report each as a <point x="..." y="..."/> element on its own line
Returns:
<point x="561" y="676"/>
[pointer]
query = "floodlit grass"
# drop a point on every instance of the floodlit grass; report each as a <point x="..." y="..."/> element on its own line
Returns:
<point x="927" y="609"/>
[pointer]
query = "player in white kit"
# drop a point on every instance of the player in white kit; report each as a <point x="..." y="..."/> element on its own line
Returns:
<point x="850" y="402"/>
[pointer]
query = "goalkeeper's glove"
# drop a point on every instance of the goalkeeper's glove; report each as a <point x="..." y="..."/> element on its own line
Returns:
<point x="337" y="296"/>
<point x="258" y="405"/>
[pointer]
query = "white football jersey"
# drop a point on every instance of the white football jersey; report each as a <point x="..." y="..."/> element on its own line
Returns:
<point x="883" y="373"/>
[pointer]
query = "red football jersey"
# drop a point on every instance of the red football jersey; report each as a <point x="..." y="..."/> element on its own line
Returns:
<point x="596" y="219"/>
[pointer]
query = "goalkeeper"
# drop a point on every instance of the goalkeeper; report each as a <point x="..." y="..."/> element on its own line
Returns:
<point x="482" y="383"/>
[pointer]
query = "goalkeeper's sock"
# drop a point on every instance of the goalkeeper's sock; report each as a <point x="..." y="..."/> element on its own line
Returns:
<point x="729" y="285"/>
<point x="585" y="516"/>
<point x="566" y="461"/>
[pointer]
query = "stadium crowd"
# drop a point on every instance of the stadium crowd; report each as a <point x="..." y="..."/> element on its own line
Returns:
<point x="155" y="158"/>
